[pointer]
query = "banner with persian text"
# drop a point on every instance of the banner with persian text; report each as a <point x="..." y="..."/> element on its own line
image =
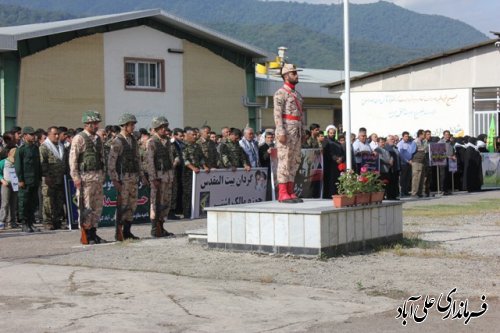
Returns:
<point x="309" y="177"/>
<point x="221" y="187"/>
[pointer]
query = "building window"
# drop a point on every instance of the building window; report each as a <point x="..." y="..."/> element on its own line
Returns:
<point x="144" y="74"/>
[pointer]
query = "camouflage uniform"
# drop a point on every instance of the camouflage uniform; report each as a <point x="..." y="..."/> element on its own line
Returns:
<point x="191" y="154"/>
<point x="210" y="154"/>
<point x="124" y="158"/>
<point x="107" y="149"/>
<point x="28" y="170"/>
<point x="86" y="164"/>
<point x="312" y="142"/>
<point x="233" y="156"/>
<point x="288" y="120"/>
<point x="160" y="160"/>
<point x="142" y="153"/>
<point x="54" y="169"/>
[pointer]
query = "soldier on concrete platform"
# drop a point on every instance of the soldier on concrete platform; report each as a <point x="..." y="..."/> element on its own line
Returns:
<point x="161" y="158"/>
<point x="289" y="133"/>
<point x="28" y="171"/>
<point x="193" y="162"/>
<point x="86" y="163"/>
<point x="52" y="156"/>
<point x="125" y="171"/>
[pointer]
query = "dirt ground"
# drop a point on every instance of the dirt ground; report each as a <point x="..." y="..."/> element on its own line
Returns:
<point x="52" y="284"/>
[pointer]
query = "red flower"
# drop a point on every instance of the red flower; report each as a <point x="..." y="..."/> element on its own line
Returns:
<point x="363" y="179"/>
<point x="341" y="167"/>
<point x="364" y="169"/>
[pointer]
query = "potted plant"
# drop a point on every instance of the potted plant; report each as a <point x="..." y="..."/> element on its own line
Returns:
<point x="363" y="195"/>
<point x="372" y="184"/>
<point x="347" y="187"/>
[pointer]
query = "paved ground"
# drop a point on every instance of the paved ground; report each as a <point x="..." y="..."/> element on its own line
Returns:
<point x="52" y="284"/>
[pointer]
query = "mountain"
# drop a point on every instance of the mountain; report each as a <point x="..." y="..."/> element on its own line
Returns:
<point x="15" y="15"/>
<point x="382" y="33"/>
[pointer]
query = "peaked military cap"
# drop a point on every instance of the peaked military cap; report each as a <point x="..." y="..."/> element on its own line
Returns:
<point x="28" y="130"/>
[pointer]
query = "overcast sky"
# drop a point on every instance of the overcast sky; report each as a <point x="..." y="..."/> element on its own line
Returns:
<point x="484" y="15"/>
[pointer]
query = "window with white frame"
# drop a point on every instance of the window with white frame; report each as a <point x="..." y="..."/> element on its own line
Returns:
<point x="144" y="74"/>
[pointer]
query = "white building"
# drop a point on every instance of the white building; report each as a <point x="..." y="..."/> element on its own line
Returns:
<point x="458" y="90"/>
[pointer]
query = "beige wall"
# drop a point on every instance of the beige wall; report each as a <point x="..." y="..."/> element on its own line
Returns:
<point x="213" y="88"/>
<point x="315" y="114"/>
<point x="475" y="68"/>
<point x="58" y="84"/>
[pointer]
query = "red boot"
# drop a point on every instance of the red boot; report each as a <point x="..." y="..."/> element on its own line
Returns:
<point x="290" y="189"/>
<point x="283" y="195"/>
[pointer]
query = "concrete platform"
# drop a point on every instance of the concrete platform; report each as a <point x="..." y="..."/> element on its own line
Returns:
<point x="312" y="227"/>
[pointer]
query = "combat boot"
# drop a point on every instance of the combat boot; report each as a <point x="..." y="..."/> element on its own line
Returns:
<point x="97" y="239"/>
<point x="127" y="234"/>
<point x="90" y="236"/>
<point x="283" y="195"/>
<point x="165" y="233"/>
<point x="290" y="189"/>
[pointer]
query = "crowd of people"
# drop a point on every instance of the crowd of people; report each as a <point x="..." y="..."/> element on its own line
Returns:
<point x="404" y="165"/>
<point x="404" y="161"/>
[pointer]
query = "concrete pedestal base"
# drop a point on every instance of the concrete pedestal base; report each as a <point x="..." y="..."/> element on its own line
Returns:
<point x="312" y="227"/>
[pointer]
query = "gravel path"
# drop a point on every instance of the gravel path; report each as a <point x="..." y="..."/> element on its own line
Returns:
<point x="460" y="251"/>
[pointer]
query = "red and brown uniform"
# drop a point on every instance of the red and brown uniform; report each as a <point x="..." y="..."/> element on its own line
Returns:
<point x="288" y="120"/>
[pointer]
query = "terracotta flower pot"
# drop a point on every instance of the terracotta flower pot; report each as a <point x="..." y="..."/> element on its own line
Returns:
<point x="341" y="200"/>
<point x="363" y="199"/>
<point x="377" y="197"/>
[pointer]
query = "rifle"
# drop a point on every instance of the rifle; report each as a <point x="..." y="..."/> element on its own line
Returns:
<point x="118" y="217"/>
<point x="159" y="225"/>
<point x="81" y="215"/>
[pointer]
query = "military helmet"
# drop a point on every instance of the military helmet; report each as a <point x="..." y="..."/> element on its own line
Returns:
<point x="91" y="117"/>
<point x="127" y="118"/>
<point x="158" y="122"/>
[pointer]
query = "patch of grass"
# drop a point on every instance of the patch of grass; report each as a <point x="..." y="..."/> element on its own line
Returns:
<point x="440" y="210"/>
<point x="323" y="257"/>
<point x="359" y="285"/>
<point x="410" y="240"/>
<point x="391" y="293"/>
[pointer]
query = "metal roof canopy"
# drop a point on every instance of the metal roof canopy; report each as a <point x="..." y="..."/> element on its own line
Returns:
<point x="339" y="84"/>
<point x="32" y="38"/>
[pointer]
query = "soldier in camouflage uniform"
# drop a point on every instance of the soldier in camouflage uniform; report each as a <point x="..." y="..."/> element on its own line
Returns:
<point x="193" y="162"/>
<point x="208" y="147"/>
<point x="86" y="164"/>
<point x="161" y="158"/>
<point x="232" y="155"/>
<point x="28" y="171"/>
<point x="52" y="156"/>
<point x="124" y="170"/>
<point x="289" y="133"/>
<point x="313" y="142"/>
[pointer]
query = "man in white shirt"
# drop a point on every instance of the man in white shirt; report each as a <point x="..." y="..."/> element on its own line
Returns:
<point x="360" y="147"/>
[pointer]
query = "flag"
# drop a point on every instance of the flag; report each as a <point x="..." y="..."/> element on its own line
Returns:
<point x="492" y="135"/>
